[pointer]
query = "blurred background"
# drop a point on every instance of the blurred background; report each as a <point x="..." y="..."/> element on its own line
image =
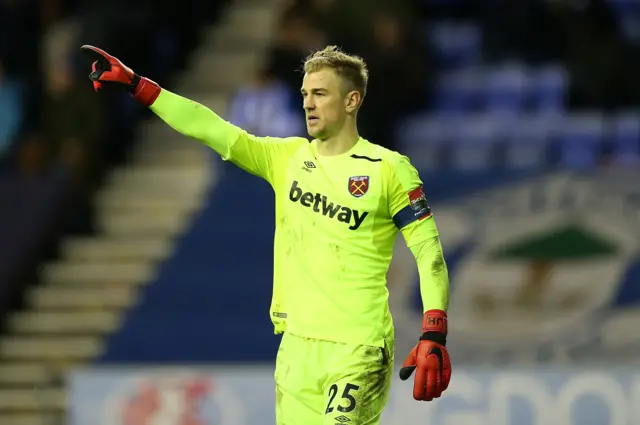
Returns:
<point x="135" y="281"/>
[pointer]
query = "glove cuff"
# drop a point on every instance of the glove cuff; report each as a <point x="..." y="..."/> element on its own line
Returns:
<point x="145" y="90"/>
<point x="434" y="327"/>
<point x="434" y="321"/>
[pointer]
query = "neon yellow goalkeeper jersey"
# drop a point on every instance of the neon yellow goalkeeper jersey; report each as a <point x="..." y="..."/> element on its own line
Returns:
<point x="337" y="218"/>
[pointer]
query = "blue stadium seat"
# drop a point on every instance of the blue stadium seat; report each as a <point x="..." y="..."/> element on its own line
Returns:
<point x="455" y="45"/>
<point x="580" y="139"/>
<point x="422" y="137"/>
<point x="458" y="91"/>
<point x="528" y="140"/>
<point x="505" y="88"/>
<point x="548" y="89"/>
<point x="474" y="142"/>
<point x="624" y="7"/>
<point x="625" y="138"/>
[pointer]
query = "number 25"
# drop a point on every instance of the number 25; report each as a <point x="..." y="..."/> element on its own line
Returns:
<point x="333" y="391"/>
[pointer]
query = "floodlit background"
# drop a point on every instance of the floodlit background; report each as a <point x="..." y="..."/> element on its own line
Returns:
<point x="135" y="266"/>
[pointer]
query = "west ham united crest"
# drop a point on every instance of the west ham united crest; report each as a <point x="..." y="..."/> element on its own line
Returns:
<point x="358" y="185"/>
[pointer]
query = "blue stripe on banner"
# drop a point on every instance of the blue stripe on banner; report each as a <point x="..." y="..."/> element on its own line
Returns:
<point x="408" y="215"/>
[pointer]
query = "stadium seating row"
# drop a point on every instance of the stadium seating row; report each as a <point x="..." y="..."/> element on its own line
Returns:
<point x="502" y="87"/>
<point x="528" y="140"/>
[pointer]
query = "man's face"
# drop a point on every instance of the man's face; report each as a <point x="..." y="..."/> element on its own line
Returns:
<point x="325" y="103"/>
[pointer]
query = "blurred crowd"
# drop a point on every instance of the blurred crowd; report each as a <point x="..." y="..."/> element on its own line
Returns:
<point x="584" y="36"/>
<point x="385" y="33"/>
<point x="587" y="36"/>
<point x="50" y="120"/>
<point x="49" y="117"/>
<point x="57" y="137"/>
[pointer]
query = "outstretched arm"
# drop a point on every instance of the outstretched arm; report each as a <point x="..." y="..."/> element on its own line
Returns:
<point x="254" y="154"/>
<point x="257" y="155"/>
<point x="196" y="121"/>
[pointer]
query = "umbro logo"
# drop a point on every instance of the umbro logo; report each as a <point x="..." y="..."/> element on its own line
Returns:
<point x="308" y="165"/>
<point x="342" y="419"/>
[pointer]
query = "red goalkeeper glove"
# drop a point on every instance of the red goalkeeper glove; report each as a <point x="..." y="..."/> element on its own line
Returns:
<point x="429" y="359"/>
<point x="107" y="69"/>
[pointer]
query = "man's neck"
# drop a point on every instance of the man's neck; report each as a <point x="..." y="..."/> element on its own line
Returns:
<point x="338" y="144"/>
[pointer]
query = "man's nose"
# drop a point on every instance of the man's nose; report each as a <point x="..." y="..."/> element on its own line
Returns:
<point x="308" y="104"/>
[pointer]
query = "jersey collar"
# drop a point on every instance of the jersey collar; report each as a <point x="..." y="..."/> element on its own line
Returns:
<point x="314" y="149"/>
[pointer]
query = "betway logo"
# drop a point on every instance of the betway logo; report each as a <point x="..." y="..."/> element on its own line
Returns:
<point x="319" y="203"/>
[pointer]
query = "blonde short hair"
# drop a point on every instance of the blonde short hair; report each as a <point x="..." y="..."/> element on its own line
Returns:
<point x="352" y="69"/>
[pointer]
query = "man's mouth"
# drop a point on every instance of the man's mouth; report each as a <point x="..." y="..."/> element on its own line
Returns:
<point x="312" y="119"/>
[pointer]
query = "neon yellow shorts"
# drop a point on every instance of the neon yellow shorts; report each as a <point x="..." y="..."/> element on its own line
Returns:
<point x="329" y="383"/>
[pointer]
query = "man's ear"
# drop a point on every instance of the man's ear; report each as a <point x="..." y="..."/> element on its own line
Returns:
<point x="352" y="101"/>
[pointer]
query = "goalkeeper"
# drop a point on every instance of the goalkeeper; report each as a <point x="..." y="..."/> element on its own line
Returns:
<point x="340" y="202"/>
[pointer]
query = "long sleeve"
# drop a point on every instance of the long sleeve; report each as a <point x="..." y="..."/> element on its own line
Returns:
<point x="257" y="155"/>
<point x="411" y="213"/>
<point x="434" y="277"/>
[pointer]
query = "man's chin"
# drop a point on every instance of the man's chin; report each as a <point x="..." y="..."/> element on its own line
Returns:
<point x="316" y="133"/>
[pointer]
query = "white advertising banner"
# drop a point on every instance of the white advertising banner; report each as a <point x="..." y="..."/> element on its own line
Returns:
<point x="245" y="396"/>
